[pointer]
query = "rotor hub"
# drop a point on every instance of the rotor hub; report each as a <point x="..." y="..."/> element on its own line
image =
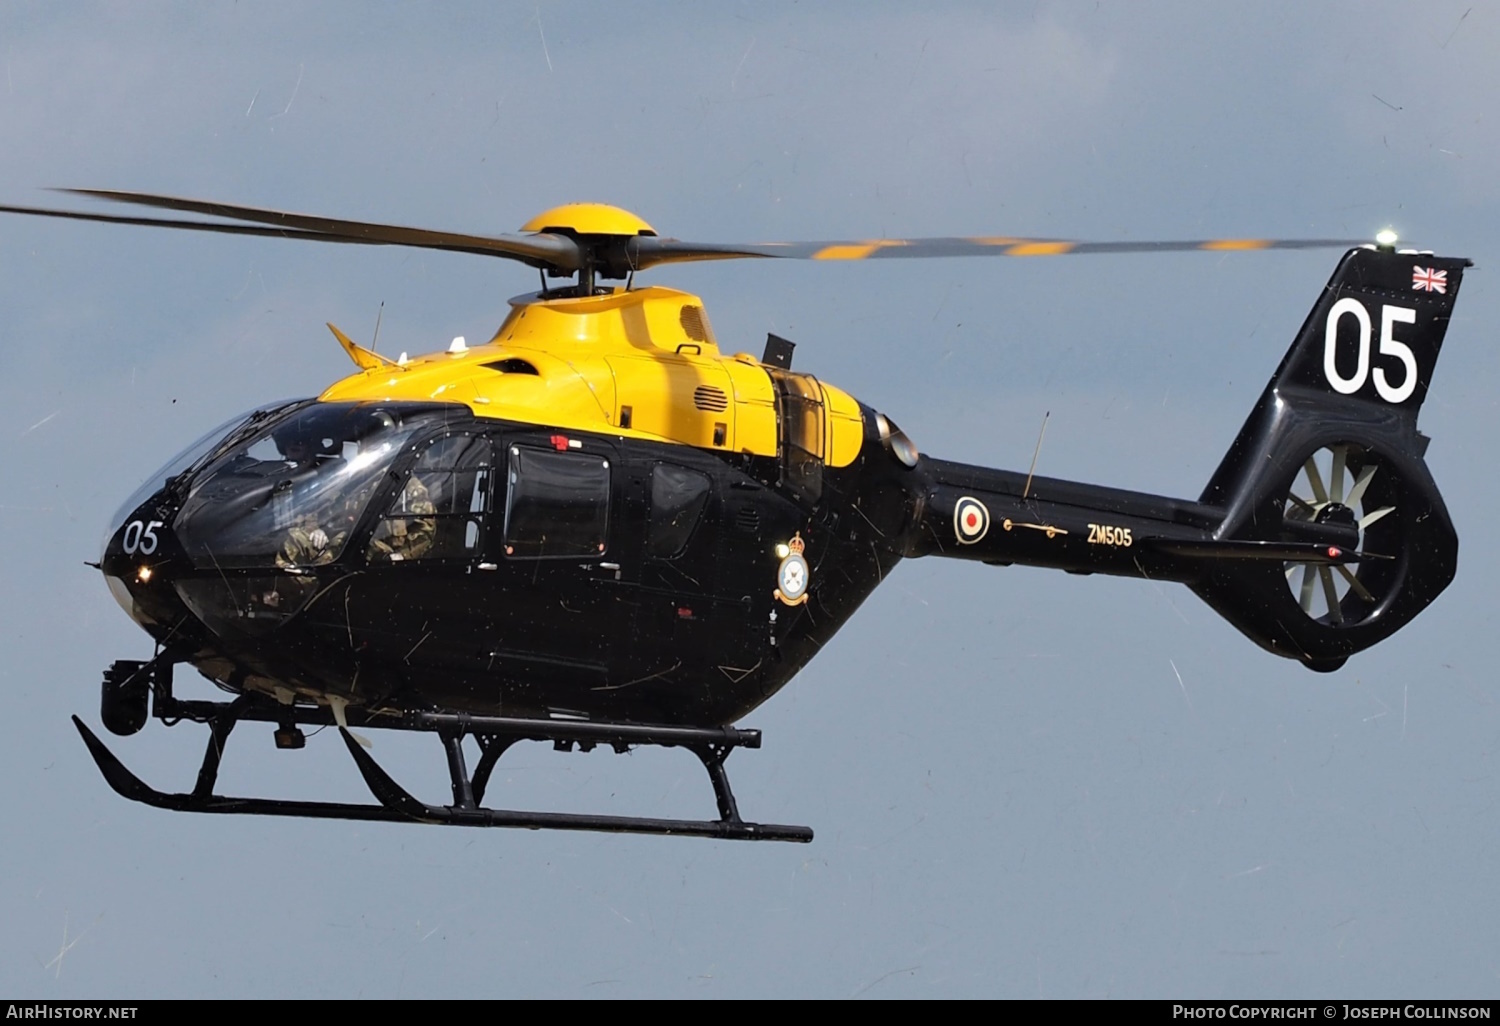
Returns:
<point x="1336" y="513"/>
<point x="580" y="219"/>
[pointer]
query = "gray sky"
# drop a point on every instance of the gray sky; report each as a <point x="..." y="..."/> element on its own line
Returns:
<point x="1023" y="783"/>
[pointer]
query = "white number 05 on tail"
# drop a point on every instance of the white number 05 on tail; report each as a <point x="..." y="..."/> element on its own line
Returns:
<point x="1390" y="316"/>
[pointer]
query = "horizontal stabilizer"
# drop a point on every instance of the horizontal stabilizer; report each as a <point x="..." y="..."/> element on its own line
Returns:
<point x="1275" y="551"/>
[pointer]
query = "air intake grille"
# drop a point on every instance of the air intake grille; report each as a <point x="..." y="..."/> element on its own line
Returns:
<point x="511" y="365"/>
<point x="747" y="519"/>
<point x="711" y="399"/>
<point x="692" y="323"/>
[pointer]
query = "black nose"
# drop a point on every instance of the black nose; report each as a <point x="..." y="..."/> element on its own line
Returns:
<point x="141" y="536"/>
<point x="140" y="560"/>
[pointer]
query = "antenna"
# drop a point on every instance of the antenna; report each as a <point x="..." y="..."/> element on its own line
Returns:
<point x="1027" y="490"/>
<point x="379" y="314"/>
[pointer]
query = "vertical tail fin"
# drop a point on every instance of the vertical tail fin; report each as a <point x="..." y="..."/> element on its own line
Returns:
<point x="1332" y="450"/>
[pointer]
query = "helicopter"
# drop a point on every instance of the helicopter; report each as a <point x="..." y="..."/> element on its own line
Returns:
<point x="600" y="528"/>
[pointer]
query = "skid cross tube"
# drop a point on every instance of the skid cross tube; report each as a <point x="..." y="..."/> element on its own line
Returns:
<point x="728" y="827"/>
<point x="494" y="734"/>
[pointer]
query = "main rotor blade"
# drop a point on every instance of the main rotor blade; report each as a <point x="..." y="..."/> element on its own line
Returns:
<point x="555" y="251"/>
<point x="564" y="254"/>
<point x="161" y="222"/>
<point x="645" y="251"/>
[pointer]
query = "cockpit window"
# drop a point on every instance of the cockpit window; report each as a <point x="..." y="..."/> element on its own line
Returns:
<point x="292" y="493"/>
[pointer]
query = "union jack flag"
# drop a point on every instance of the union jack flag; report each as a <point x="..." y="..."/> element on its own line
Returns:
<point x="1429" y="280"/>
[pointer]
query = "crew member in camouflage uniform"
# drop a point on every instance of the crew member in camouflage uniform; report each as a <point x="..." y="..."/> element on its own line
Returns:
<point x="307" y="542"/>
<point x="399" y="537"/>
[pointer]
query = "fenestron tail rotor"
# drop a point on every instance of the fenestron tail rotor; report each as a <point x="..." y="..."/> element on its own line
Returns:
<point x="1341" y="485"/>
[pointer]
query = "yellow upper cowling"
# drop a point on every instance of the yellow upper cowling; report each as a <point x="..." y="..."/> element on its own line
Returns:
<point x="641" y="363"/>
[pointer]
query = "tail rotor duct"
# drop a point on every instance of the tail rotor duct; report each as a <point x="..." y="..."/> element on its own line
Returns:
<point x="1345" y="484"/>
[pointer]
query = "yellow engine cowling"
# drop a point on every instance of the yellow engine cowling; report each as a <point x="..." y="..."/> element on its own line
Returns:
<point x="639" y="363"/>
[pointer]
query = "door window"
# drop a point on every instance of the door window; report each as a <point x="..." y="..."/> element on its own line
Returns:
<point x="799" y="405"/>
<point x="558" y="504"/>
<point x="678" y="496"/>
<point x="439" y="511"/>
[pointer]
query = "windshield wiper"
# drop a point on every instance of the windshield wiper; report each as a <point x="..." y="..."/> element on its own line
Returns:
<point x="176" y="486"/>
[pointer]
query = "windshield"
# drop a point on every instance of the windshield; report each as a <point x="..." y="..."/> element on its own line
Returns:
<point x="185" y="459"/>
<point x="292" y="492"/>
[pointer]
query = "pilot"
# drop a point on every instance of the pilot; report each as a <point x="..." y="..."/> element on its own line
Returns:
<point x="297" y="449"/>
<point x="299" y="445"/>
<point x="306" y="542"/>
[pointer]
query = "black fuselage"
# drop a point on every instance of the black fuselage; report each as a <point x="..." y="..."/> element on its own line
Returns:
<point x="677" y="618"/>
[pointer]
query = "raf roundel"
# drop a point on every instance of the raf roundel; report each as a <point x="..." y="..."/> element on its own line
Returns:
<point x="970" y="520"/>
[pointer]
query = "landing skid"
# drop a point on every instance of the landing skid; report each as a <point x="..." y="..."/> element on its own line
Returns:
<point x="495" y="734"/>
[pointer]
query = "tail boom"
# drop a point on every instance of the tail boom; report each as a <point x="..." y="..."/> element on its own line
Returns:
<point x="1326" y="480"/>
<point x="1001" y="518"/>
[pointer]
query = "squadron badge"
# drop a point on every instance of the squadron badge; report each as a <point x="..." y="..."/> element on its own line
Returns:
<point x="792" y="576"/>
